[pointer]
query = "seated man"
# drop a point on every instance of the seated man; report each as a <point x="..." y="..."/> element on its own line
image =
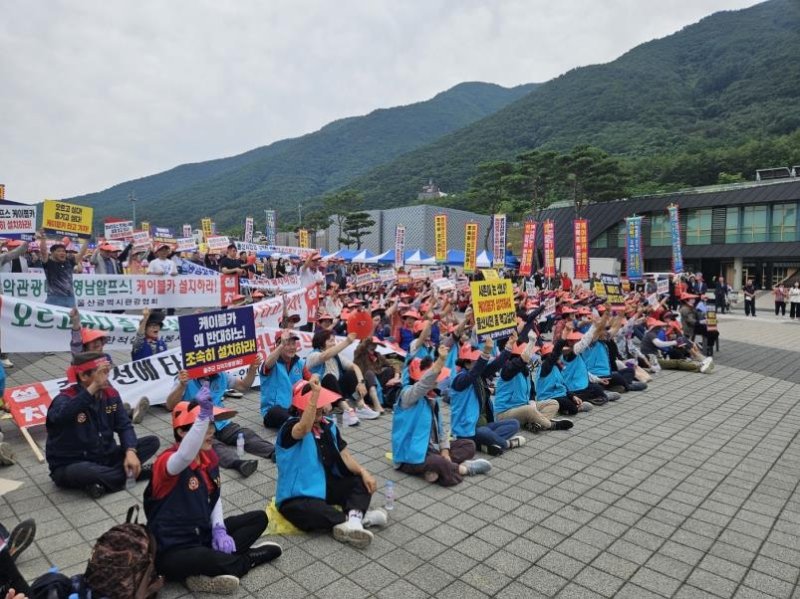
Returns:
<point x="279" y="372"/>
<point x="147" y="342"/>
<point x="81" y="424"/>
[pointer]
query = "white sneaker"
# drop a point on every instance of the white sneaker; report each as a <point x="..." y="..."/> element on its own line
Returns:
<point x="6" y="455"/>
<point x="516" y="441"/>
<point x="357" y="537"/>
<point x="478" y="466"/>
<point x="7" y="363"/>
<point x="216" y="585"/>
<point x="349" y="418"/>
<point x="707" y="365"/>
<point x="140" y="410"/>
<point x="367" y="413"/>
<point x="376" y="517"/>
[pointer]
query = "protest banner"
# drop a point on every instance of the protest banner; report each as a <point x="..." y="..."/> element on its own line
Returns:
<point x="675" y="235"/>
<point x="271" y="229"/>
<point x="248" y="229"/>
<point x="462" y="284"/>
<point x="190" y="268"/>
<point x="366" y="277"/>
<point x="662" y="286"/>
<point x="435" y="272"/>
<point x="634" y="264"/>
<point x="185" y="244"/>
<point x="581" y="239"/>
<point x="528" y="247"/>
<point x="145" y="226"/>
<point x="302" y="238"/>
<point x="490" y="274"/>
<point x="549" y="249"/>
<point x="530" y="287"/>
<point x="403" y="278"/>
<point x="187" y="230"/>
<point x="443" y="284"/>
<point x="163" y="235"/>
<point x="399" y="246"/>
<point x="470" y="247"/>
<point x="387" y="275"/>
<point x="549" y="308"/>
<point x="418" y="273"/>
<point x="285" y="283"/>
<point x="493" y="307"/>
<point x="141" y="240"/>
<point x="499" y="240"/>
<point x="17" y="218"/>
<point x="128" y="292"/>
<point x="213" y="342"/>
<point x="217" y="244"/>
<point x="67" y="220"/>
<point x="711" y="320"/>
<point x="122" y="230"/>
<point x="440" y="237"/>
<point x="652" y="299"/>
<point x="205" y="225"/>
<point x="612" y="289"/>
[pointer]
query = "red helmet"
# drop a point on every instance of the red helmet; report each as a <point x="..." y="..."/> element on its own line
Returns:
<point x="89" y="335"/>
<point x="185" y="413"/>
<point x="301" y="393"/>
<point x="415" y="371"/>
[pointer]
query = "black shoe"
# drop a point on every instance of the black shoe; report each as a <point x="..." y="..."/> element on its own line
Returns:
<point x="95" y="490"/>
<point x="21" y="537"/>
<point x="597" y="401"/>
<point x="637" y="386"/>
<point x="532" y="427"/>
<point x="146" y="473"/>
<point x="492" y="449"/>
<point x="246" y="467"/>
<point x="263" y="552"/>
<point x="561" y="425"/>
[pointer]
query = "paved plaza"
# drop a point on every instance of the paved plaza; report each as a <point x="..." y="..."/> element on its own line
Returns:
<point x="689" y="489"/>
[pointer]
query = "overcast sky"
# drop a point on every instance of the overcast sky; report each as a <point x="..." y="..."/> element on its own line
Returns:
<point x="96" y="92"/>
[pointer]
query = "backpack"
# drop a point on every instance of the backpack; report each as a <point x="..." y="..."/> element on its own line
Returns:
<point x="122" y="565"/>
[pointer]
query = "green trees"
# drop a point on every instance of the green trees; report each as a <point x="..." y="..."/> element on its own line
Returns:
<point x="356" y="226"/>
<point x="342" y="208"/>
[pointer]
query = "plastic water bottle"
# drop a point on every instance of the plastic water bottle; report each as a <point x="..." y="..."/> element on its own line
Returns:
<point x="130" y="480"/>
<point x="240" y="445"/>
<point x="389" y="505"/>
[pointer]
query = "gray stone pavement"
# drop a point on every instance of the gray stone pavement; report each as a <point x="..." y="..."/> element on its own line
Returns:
<point x="689" y="489"/>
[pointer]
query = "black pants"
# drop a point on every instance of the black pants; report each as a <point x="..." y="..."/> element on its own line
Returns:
<point x="780" y="307"/>
<point x="10" y="578"/>
<point x="592" y="391"/>
<point x="345" y="385"/>
<point x="566" y="405"/>
<point x="446" y="470"/>
<point x="109" y="473"/>
<point x="181" y="562"/>
<point x="225" y="444"/>
<point x="311" y="513"/>
<point x="749" y="306"/>
<point x="794" y="309"/>
<point x="276" y="416"/>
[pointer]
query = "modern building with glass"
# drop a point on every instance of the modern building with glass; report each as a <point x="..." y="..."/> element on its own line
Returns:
<point x="737" y="231"/>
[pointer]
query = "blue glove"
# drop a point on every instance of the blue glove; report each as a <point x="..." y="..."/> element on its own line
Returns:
<point x="203" y="398"/>
<point x="221" y="540"/>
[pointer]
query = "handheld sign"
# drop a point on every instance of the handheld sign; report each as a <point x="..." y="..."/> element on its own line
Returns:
<point x="213" y="342"/>
<point x="493" y="305"/>
<point x="67" y="220"/>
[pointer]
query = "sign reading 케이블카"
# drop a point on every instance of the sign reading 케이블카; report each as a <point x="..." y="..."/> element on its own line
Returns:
<point x="216" y="341"/>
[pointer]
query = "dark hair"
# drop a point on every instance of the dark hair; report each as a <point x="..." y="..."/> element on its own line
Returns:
<point x="320" y="338"/>
<point x="86" y="356"/>
<point x="231" y="246"/>
<point x="57" y="246"/>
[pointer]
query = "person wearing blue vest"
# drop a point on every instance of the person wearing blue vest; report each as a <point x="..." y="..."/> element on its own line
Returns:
<point x="317" y="473"/>
<point x="579" y="380"/>
<point x="550" y="383"/>
<point x="282" y="369"/>
<point x="226" y="432"/>
<point x="420" y="445"/>
<point x="406" y="331"/>
<point x="147" y="342"/>
<point x="471" y="414"/>
<point x="195" y="543"/>
<point x="601" y="356"/>
<point x="514" y="396"/>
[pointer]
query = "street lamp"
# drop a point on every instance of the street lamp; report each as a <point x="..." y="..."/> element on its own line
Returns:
<point x="132" y="200"/>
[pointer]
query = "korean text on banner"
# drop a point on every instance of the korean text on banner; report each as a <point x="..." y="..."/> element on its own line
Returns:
<point x="490" y="274"/>
<point x="119" y="230"/>
<point x="662" y="286"/>
<point x="399" y="246"/>
<point x="675" y="233"/>
<point x="613" y="289"/>
<point x="185" y="244"/>
<point x="528" y="247"/>
<point x="145" y="226"/>
<point x="67" y="220"/>
<point x="470" y="247"/>
<point x="248" y="229"/>
<point x="216" y="341"/>
<point x="218" y="244"/>
<point x="205" y="224"/>
<point x="634" y="265"/>
<point x="302" y="236"/>
<point x="493" y="306"/>
<point x="549" y="309"/>
<point x="187" y="230"/>
<point x="549" y="249"/>
<point x="270" y="231"/>
<point x="499" y="237"/>
<point x="440" y="237"/>
<point x="581" y="237"/>
<point x="16" y="218"/>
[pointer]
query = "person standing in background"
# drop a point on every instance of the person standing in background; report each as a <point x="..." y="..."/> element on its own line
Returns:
<point x="794" y="301"/>
<point x="749" y="298"/>
<point x="780" y="293"/>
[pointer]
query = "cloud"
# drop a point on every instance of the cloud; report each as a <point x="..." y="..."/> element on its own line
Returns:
<point x="101" y="91"/>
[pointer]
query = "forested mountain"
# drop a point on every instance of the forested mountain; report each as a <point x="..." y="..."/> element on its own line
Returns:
<point x="283" y="173"/>
<point x="724" y="85"/>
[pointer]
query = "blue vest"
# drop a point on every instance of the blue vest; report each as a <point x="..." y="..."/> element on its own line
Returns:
<point x="575" y="373"/>
<point x="300" y="470"/>
<point x="411" y="431"/>
<point x="218" y="385"/>
<point x="421" y="352"/>
<point x="183" y="517"/>
<point x="319" y="369"/>
<point x="550" y="386"/>
<point x="145" y="351"/>
<point x="596" y="359"/>
<point x="276" y="387"/>
<point x="465" y="409"/>
<point x="512" y="394"/>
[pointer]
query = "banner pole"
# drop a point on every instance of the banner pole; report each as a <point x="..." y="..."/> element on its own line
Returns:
<point x="34" y="447"/>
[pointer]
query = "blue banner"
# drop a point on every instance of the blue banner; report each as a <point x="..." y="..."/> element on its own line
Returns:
<point x="213" y="342"/>
<point x="633" y="248"/>
<point x="271" y="230"/>
<point x="190" y="268"/>
<point x="675" y="230"/>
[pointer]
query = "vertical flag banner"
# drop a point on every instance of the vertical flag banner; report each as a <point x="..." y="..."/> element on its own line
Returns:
<point x="528" y="247"/>
<point x="499" y="236"/>
<point x="2" y="191"/>
<point x="549" y="249"/>
<point x="399" y="246"/>
<point x="470" y="247"/>
<point x="675" y="230"/>
<point x="206" y="226"/>
<point x="187" y="230"/>
<point x="634" y="265"/>
<point x="248" y="229"/>
<point x="271" y="231"/>
<point x="440" y="237"/>
<point x="581" y="237"/>
<point x="213" y="228"/>
<point x="145" y="226"/>
<point x="303" y="236"/>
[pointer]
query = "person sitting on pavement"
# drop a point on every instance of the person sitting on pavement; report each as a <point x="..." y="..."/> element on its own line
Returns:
<point x="81" y="423"/>
<point x="420" y="445"/>
<point x="195" y="543"/>
<point x="550" y="384"/>
<point x="601" y="358"/>
<point x="671" y="354"/>
<point x="282" y="369"/>
<point x="579" y="381"/>
<point x="147" y="341"/>
<point x="471" y="414"/>
<point x="317" y="474"/>
<point x="226" y="432"/>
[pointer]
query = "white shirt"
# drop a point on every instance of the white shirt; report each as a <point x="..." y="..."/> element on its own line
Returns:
<point x="161" y="267"/>
<point x="309" y="277"/>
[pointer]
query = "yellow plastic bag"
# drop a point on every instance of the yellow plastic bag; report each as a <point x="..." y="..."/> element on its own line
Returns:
<point x="277" y="524"/>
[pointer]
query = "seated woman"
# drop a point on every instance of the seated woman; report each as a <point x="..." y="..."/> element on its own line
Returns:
<point x="316" y="472"/>
<point x="195" y="543"/>
<point x="382" y="381"/>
